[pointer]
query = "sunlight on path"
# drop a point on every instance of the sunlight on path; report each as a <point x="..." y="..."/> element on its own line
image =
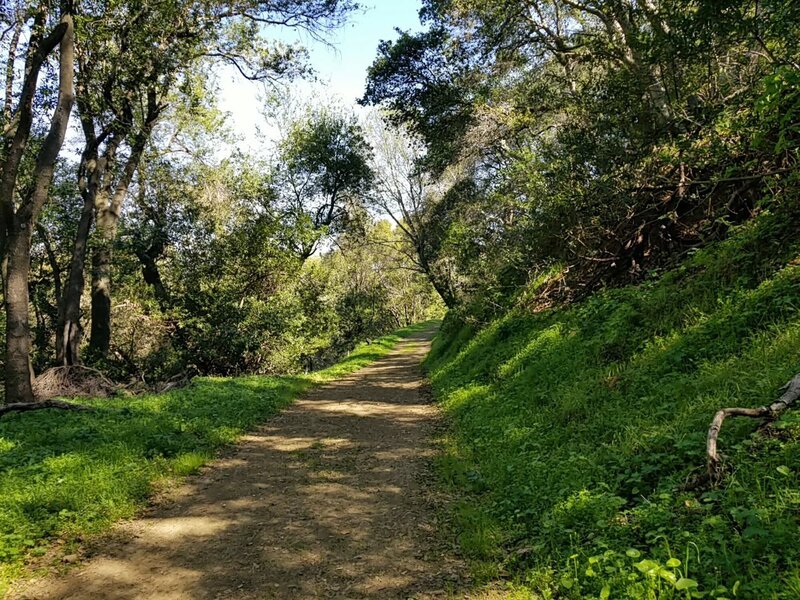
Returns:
<point x="327" y="500"/>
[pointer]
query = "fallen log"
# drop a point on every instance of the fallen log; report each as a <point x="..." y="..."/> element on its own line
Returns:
<point x="27" y="406"/>
<point x="791" y="392"/>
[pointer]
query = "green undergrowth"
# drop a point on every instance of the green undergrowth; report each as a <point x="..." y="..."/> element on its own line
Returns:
<point x="64" y="475"/>
<point x="575" y="431"/>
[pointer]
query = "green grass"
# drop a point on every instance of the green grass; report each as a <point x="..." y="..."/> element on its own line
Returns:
<point x="573" y="431"/>
<point x="64" y="475"/>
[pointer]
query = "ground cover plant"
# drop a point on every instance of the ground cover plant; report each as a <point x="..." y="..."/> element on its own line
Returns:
<point x="577" y="432"/>
<point x="64" y="475"/>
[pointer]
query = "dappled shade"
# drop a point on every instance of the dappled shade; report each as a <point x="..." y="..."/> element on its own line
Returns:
<point x="326" y="500"/>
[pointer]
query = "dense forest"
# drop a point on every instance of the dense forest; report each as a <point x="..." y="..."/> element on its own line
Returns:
<point x="601" y="195"/>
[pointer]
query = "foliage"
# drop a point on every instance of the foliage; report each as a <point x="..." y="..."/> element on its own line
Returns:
<point x="207" y="272"/>
<point x="322" y="176"/>
<point x="66" y="475"/>
<point x="599" y="139"/>
<point x="422" y="83"/>
<point x="575" y="430"/>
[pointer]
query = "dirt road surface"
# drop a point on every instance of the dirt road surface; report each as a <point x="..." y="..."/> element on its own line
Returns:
<point x="328" y="500"/>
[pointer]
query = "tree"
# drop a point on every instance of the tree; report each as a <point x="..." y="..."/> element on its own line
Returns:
<point x="427" y="84"/>
<point x="122" y="93"/>
<point x="593" y="138"/>
<point x="323" y="177"/>
<point x="20" y="214"/>
<point x="408" y="196"/>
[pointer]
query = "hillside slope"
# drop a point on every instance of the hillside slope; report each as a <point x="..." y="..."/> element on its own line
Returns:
<point x="575" y="430"/>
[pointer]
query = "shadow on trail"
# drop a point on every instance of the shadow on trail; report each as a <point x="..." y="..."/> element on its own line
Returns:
<point x="326" y="501"/>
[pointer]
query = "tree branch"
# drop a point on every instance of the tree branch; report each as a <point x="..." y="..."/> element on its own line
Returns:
<point x="773" y="411"/>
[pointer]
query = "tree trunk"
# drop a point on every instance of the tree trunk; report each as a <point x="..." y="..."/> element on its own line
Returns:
<point x="152" y="277"/>
<point x="19" y="373"/>
<point x="100" y="340"/>
<point x="18" y="138"/>
<point x="18" y="225"/>
<point x="443" y="288"/>
<point x="69" y="330"/>
<point x="107" y="213"/>
<point x="95" y="175"/>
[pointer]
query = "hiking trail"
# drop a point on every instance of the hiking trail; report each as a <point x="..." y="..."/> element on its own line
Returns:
<point x="329" y="499"/>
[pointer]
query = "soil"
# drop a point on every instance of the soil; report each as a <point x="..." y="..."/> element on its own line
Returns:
<point x="330" y="499"/>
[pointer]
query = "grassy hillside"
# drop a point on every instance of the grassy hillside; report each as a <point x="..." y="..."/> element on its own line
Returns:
<point x="574" y="431"/>
<point x="67" y="474"/>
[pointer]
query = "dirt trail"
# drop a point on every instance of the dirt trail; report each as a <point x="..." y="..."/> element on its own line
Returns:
<point x="328" y="500"/>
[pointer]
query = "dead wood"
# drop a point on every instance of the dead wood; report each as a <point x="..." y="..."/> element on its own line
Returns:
<point x="73" y="381"/>
<point x="791" y="392"/>
<point x="179" y="381"/>
<point x="28" y="406"/>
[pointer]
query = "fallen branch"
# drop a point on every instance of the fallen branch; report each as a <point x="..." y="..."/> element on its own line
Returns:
<point x="790" y="395"/>
<point x="27" y="406"/>
<point x="180" y="380"/>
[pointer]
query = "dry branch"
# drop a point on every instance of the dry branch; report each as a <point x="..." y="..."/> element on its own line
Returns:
<point x="73" y="381"/>
<point x="791" y="392"/>
<point x="27" y="406"/>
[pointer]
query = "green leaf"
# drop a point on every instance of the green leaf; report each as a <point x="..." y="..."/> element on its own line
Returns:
<point x="605" y="593"/>
<point x="685" y="584"/>
<point x="673" y="563"/>
<point x="784" y="470"/>
<point x="667" y="575"/>
<point x="633" y="553"/>
<point x="647" y="566"/>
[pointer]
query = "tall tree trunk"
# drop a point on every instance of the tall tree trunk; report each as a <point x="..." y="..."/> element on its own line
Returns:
<point x="100" y="340"/>
<point x="18" y="136"/>
<point x="18" y="225"/>
<point x="19" y="373"/>
<point x="95" y="177"/>
<point x="107" y="213"/>
<point x="69" y="330"/>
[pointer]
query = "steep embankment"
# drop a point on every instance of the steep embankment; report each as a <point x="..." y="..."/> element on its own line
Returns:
<point x="575" y="431"/>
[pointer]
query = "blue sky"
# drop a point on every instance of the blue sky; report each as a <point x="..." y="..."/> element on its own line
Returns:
<point x="341" y="67"/>
<point x="354" y="46"/>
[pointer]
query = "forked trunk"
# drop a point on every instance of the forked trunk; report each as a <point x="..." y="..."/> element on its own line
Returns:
<point x="107" y="213"/>
<point x="17" y="225"/>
